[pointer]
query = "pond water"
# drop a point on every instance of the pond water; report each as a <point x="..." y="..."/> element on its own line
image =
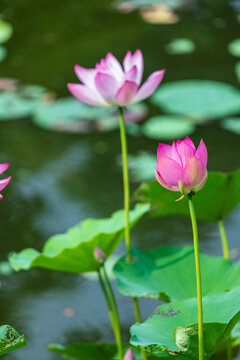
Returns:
<point x="60" y="179"/>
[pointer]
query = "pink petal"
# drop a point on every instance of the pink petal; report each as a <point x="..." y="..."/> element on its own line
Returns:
<point x="114" y="66"/>
<point x="185" y="151"/>
<point x="126" y="93"/>
<point x="4" y="183"/>
<point x="201" y="154"/>
<point x="86" y="75"/>
<point x="129" y="355"/>
<point x="169" y="151"/>
<point x="137" y="59"/>
<point x="127" y="62"/>
<point x="86" y="95"/>
<point x="3" y="167"/>
<point x="150" y="85"/>
<point x="132" y="74"/>
<point x="188" y="141"/>
<point x="169" y="170"/>
<point x="163" y="183"/>
<point x="107" y="86"/>
<point x="192" y="172"/>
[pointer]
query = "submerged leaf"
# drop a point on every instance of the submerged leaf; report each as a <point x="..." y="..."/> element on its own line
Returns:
<point x="199" y="99"/>
<point x="163" y="271"/>
<point x="10" y="339"/>
<point x="161" y="331"/>
<point x="217" y="199"/>
<point x="234" y="47"/>
<point x="180" y="46"/>
<point x="6" y="31"/>
<point x="74" y="250"/>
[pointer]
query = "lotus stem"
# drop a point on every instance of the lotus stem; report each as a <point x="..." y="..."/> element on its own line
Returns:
<point x="112" y="310"/>
<point x="126" y="207"/>
<point x="198" y="277"/>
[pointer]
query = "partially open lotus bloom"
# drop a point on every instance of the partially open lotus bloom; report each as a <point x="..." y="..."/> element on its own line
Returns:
<point x="182" y="167"/>
<point x="129" y="355"/>
<point x="3" y="182"/>
<point x="110" y="84"/>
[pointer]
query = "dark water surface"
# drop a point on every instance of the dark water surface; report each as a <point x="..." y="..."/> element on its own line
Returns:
<point x="60" y="179"/>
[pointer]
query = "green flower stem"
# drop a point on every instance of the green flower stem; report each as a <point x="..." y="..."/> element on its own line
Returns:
<point x="225" y="246"/>
<point x="198" y="278"/>
<point x="125" y="181"/>
<point x="126" y="207"/>
<point x="226" y="255"/>
<point x="114" y="321"/>
<point x="115" y="312"/>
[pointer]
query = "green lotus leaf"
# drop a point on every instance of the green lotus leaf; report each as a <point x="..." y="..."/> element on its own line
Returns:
<point x="6" y="31"/>
<point x="217" y="199"/>
<point x="170" y="271"/>
<point x="141" y="166"/>
<point x="73" y="251"/>
<point x="172" y="327"/>
<point x="10" y="339"/>
<point x="94" y="351"/>
<point x="167" y="127"/>
<point x="198" y="99"/>
<point x="14" y="106"/>
<point x="237" y="70"/>
<point x="3" y="53"/>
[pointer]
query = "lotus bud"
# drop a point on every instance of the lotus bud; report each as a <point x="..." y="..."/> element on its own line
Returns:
<point x="129" y="355"/>
<point x="182" y="167"/>
<point x="99" y="255"/>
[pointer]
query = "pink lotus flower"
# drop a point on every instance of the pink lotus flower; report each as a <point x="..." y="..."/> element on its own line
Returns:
<point x="110" y="84"/>
<point x="3" y="182"/>
<point x="129" y="355"/>
<point x="181" y="167"/>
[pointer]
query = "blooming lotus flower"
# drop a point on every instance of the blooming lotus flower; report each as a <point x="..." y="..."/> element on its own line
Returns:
<point x="110" y="84"/>
<point x="182" y="167"/>
<point x="3" y="182"/>
<point x="129" y="355"/>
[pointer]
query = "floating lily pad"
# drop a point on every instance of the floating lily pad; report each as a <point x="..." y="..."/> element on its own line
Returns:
<point x="217" y="199"/>
<point x="6" y="31"/>
<point x="199" y="99"/>
<point x="93" y="351"/>
<point x="141" y="166"/>
<point x="231" y="124"/>
<point x="237" y="70"/>
<point x="163" y="270"/>
<point x="180" y="46"/>
<point x="172" y="328"/>
<point x="167" y="127"/>
<point x="10" y="339"/>
<point x="70" y="115"/>
<point x="74" y="250"/>
<point x="234" y="47"/>
<point x="5" y="268"/>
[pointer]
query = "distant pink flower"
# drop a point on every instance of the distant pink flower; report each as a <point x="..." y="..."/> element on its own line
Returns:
<point x="3" y="182"/>
<point x="181" y="167"/>
<point x="129" y="355"/>
<point x="110" y="84"/>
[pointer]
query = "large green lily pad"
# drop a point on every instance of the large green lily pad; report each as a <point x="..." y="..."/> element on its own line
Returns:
<point x="10" y="339"/>
<point x="167" y="127"/>
<point x="74" y="250"/>
<point x="172" y="327"/>
<point x="199" y="99"/>
<point x="171" y="271"/>
<point x="234" y="47"/>
<point x="94" y="351"/>
<point x="70" y="115"/>
<point x="180" y="46"/>
<point x="217" y="199"/>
